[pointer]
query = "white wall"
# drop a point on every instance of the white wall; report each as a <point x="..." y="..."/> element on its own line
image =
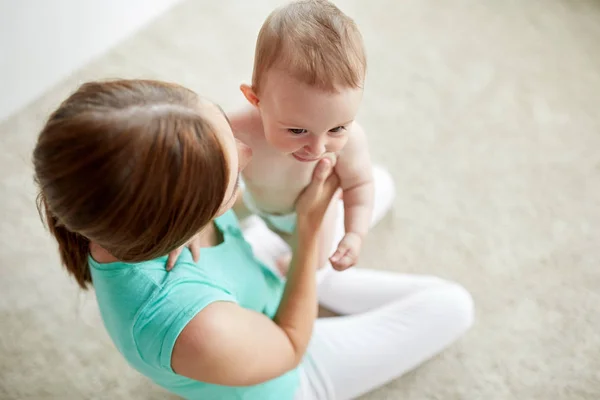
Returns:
<point x="42" y="41"/>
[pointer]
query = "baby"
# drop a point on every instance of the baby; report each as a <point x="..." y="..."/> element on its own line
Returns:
<point x="307" y="85"/>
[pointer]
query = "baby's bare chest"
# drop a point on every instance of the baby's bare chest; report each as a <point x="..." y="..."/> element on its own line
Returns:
<point x="278" y="172"/>
<point x="275" y="180"/>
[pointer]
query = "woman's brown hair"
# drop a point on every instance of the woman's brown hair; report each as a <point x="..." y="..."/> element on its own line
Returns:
<point x="131" y="165"/>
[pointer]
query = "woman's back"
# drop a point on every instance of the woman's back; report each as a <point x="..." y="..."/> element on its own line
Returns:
<point x="144" y="308"/>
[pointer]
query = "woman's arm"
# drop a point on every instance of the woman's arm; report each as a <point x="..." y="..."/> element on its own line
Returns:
<point x="228" y="345"/>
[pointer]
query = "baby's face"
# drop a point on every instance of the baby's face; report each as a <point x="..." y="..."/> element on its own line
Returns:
<point x="303" y="121"/>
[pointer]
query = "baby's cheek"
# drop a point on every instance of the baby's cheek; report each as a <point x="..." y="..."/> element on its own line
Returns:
<point x="281" y="142"/>
<point x="337" y="145"/>
<point x="271" y="136"/>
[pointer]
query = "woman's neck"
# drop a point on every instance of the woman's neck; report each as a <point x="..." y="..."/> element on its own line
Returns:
<point x="100" y="254"/>
<point x="208" y="237"/>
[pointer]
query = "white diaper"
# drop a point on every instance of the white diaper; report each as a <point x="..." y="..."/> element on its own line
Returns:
<point x="285" y="223"/>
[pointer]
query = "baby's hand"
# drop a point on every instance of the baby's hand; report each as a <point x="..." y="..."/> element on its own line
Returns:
<point x="347" y="252"/>
<point x="193" y="244"/>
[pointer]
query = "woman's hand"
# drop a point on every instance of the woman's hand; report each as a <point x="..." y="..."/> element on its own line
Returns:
<point x="193" y="244"/>
<point x="315" y="198"/>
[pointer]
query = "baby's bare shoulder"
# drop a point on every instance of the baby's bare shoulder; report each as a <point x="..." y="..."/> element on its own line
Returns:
<point x="246" y="122"/>
<point x="354" y="161"/>
<point x="356" y="149"/>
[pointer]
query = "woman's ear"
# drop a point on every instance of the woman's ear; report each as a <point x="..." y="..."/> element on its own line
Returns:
<point x="249" y="94"/>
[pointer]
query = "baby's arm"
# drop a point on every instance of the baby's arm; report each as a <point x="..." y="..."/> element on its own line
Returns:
<point x="356" y="179"/>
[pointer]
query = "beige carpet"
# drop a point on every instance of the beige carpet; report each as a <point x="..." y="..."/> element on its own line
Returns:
<point x="488" y="115"/>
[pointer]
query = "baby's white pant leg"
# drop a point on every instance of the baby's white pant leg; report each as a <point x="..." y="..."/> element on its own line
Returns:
<point x="267" y="246"/>
<point x="385" y="193"/>
<point x="398" y="322"/>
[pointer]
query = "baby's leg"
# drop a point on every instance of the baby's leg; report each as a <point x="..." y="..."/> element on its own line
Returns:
<point x="327" y="235"/>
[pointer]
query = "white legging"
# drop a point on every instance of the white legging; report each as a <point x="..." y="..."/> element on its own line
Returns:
<point x="390" y="322"/>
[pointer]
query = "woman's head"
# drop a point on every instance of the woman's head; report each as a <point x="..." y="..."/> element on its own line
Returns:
<point x="137" y="167"/>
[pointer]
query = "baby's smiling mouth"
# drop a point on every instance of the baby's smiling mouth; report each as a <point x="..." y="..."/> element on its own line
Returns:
<point x="304" y="158"/>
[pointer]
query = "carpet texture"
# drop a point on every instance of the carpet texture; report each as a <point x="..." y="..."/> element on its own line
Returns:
<point x="486" y="113"/>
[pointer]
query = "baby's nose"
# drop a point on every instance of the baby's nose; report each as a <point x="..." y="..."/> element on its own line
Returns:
<point x="316" y="147"/>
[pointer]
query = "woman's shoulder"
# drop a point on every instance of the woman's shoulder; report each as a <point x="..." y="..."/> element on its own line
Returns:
<point x="174" y="303"/>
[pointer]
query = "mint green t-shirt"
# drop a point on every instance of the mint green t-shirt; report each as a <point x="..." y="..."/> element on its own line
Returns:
<point x="145" y="308"/>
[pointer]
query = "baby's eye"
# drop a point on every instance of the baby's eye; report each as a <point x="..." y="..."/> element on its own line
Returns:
<point x="338" y="129"/>
<point x="297" y="131"/>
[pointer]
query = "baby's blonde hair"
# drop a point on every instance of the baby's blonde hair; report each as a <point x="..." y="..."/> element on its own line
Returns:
<point x="315" y="42"/>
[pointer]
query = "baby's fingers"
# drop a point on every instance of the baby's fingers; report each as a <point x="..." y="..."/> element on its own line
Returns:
<point x="339" y="253"/>
<point x="346" y="262"/>
<point x="345" y="246"/>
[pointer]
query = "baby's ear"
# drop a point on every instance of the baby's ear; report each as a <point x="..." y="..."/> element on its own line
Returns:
<point x="249" y="94"/>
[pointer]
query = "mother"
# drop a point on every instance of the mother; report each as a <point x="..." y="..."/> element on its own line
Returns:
<point x="131" y="170"/>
